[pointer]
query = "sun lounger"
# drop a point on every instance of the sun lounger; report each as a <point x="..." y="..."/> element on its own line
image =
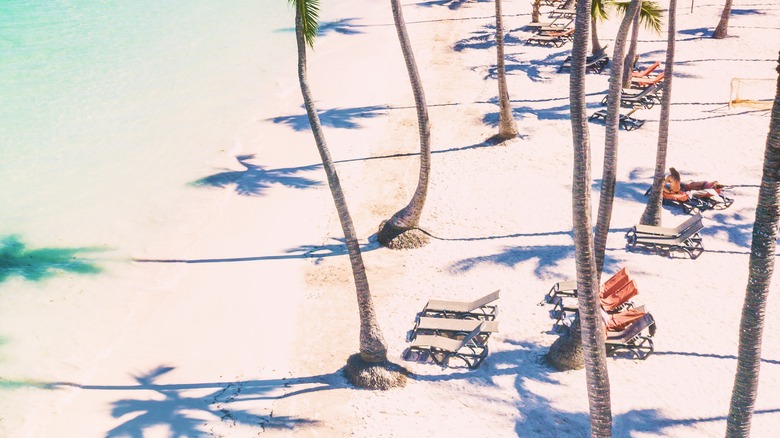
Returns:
<point x="451" y="327"/>
<point x="632" y="338"/>
<point x="443" y="349"/>
<point x="646" y="98"/>
<point x="618" y="298"/>
<point x="565" y="13"/>
<point x="555" y="38"/>
<point x="596" y="62"/>
<point x="614" y="296"/>
<point x="653" y="231"/>
<point x="557" y="22"/>
<point x="566" y="288"/>
<point x="480" y="308"/>
<point x="647" y="81"/>
<point x="625" y="120"/>
<point x="646" y="72"/>
<point x="689" y="242"/>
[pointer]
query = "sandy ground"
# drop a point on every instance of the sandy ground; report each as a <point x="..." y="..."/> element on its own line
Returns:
<point x="243" y="324"/>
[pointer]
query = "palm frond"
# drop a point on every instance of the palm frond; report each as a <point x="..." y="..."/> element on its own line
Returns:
<point x="650" y="15"/>
<point x="598" y="10"/>
<point x="309" y="11"/>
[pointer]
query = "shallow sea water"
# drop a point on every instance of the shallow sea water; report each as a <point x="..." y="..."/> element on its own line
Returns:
<point x="109" y="109"/>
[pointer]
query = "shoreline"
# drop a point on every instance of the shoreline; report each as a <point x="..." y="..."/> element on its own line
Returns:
<point x="252" y="339"/>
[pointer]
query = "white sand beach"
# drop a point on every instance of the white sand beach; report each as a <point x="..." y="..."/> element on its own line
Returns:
<point x="237" y="320"/>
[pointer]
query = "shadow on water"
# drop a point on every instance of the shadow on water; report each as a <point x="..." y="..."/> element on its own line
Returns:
<point x="183" y="408"/>
<point x="344" y="118"/>
<point x="344" y="26"/>
<point x="254" y="180"/>
<point x="40" y="264"/>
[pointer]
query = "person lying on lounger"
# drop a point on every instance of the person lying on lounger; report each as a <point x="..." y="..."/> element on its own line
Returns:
<point x="674" y="188"/>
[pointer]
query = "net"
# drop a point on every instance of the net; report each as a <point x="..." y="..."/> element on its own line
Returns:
<point x="752" y="93"/>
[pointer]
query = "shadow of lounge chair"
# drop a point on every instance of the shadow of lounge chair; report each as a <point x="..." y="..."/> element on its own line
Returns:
<point x="481" y="308"/>
<point x="443" y="349"/>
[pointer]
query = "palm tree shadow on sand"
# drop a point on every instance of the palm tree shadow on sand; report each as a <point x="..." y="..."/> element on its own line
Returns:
<point x="185" y="408"/>
<point x="42" y="263"/>
<point x="344" y="118"/>
<point x="538" y="415"/>
<point x="316" y="252"/>
<point x="255" y="180"/>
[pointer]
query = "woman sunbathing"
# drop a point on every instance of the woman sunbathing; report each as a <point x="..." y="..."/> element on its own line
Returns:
<point x="675" y="189"/>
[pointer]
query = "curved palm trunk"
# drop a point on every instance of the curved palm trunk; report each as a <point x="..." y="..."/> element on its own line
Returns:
<point x="372" y="344"/>
<point x="628" y="63"/>
<point x="592" y="326"/>
<point x="652" y="213"/>
<point x="722" y="29"/>
<point x="607" y="197"/>
<point x="507" y="128"/>
<point x="762" y="262"/>
<point x="594" y="36"/>
<point x="408" y="217"/>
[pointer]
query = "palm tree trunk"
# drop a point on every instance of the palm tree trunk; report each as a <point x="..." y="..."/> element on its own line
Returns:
<point x="507" y="128"/>
<point x="722" y="29"/>
<point x="408" y="218"/>
<point x="537" y="4"/>
<point x="608" y="179"/>
<point x="594" y="39"/>
<point x="628" y="63"/>
<point x="373" y="347"/>
<point x="762" y="263"/>
<point x="652" y="213"/>
<point x="592" y="326"/>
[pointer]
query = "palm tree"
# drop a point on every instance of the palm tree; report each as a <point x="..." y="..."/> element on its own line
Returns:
<point x="592" y="326"/>
<point x="370" y="367"/>
<point x="401" y="230"/>
<point x="649" y="12"/>
<point x="762" y="263"/>
<point x="650" y="15"/>
<point x="629" y="61"/>
<point x="537" y="4"/>
<point x="507" y="128"/>
<point x="652" y="213"/>
<point x="608" y="179"/>
<point x="722" y="29"/>
<point x="598" y="12"/>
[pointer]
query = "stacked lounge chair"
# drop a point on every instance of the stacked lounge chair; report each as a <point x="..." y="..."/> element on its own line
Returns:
<point x="683" y="238"/>
<point x="625" y="121"/>
<point x="455" y="330"/>
<point x="625" y="323"/>
<point x="596" y="62"/>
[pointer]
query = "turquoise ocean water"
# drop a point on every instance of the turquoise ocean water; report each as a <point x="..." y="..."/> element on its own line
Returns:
<point x="109" y="108"/>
